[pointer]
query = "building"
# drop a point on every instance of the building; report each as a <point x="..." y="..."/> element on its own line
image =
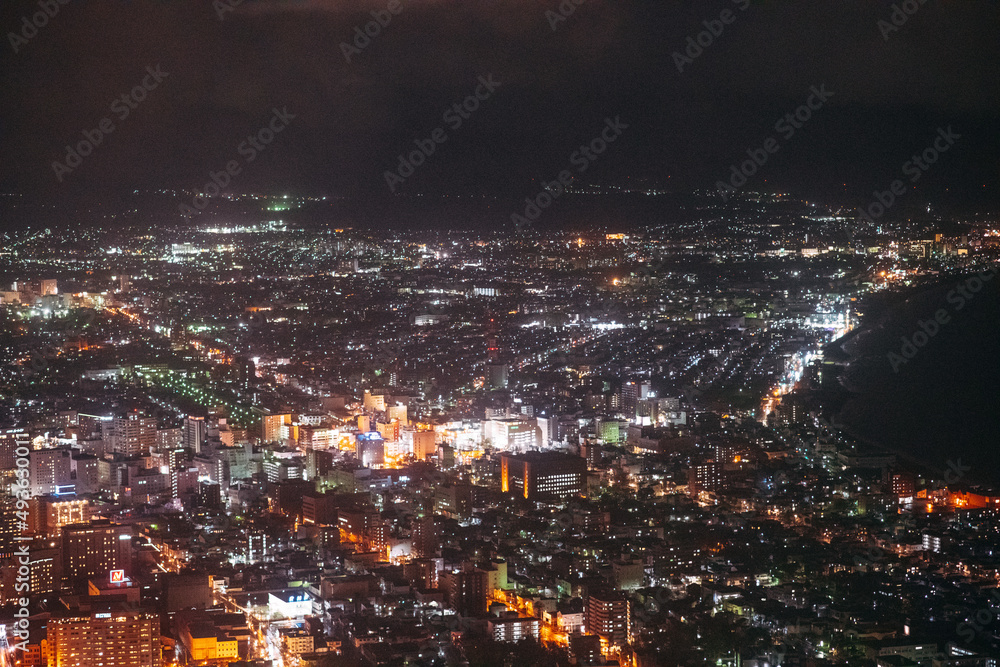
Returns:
<point x="709" y="476"/>
<point x="134" y="434"/>
<point x="183" y="591"/>
<point x="194" y="433"/>
<point x="371" y="449"/>
<point x="609" y="615"/>
<point x="110" y="639"/>
<point x="902" y="484"/>
<point x="9" y="528"/>
<point x="272" y="427"/>
<point x="465" y="591"/>
<point x="397" y="412"/>
<point x="586" y="649"/>
<point x="512" y="627"/>
<point x="497" y="375"/>
<point x="290" y="604"/>
<point x="374" y="402"/>
<point x="50" y="513"/>
<point x="92" y="550"/>
<point x="46" y="570"/>
<point x="542" y="475"/>
<point x="210" y="644"/>
<point x="319" y="508"/>
<point x="424" y="444"/>
<point x="51" y="471"/>
<point x="424" y="536"/>
<point x="10" y="440"/>
<point x="297" y="642"/>
<point x="511" y="434"/>
<point x="318" y="437"/>
<point x="389" y="432"/>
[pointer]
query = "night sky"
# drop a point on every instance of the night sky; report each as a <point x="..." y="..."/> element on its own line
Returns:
<point x="225" y="76"/>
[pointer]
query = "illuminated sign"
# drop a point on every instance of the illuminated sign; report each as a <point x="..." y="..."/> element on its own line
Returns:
<point x="117" y="576"/>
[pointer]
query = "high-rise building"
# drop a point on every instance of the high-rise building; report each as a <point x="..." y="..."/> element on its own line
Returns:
<point x="371" y="449"/>
<point x="542" y="475"/>
<point x="466" y="591"/>
<point x="134" y="434"/>
<point x="710" y="476"/>
<point x="389" y="432"/>
<point x="272" y="427"/>
<point x="109" y="639"/>
<point x="194" y="433"/>
<point x="10" y="440"/>
<point x="95" y="548"/>
<point x="424" y="444"/>
<point x="497" y="375"/>
<point x="46" y="570"/>
<point x="609" y="615"/>
<point x="50" y="470"/>
<point x="397" y="412"/>
<point x="10" y="525"/>
<point x="424" y="536"/>
<point x="902" y="483"/>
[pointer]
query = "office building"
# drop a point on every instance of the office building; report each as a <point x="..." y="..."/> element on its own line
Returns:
<point x="134" y="434"/>
<point x="93" y="549"/>
<point x="542" y="475"/>
<point x="51" y="471"/>
<point x="108" y="639"/>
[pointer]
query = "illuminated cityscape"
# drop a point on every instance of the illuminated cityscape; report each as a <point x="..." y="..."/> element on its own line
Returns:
<point x="528" y="333"/>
